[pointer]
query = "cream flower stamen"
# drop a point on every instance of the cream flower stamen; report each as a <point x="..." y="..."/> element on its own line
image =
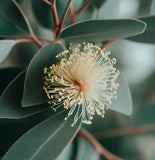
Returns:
<point x="82" y="81"/>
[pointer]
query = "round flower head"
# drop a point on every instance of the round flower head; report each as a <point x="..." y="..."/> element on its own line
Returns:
<point x="82" y="81"/>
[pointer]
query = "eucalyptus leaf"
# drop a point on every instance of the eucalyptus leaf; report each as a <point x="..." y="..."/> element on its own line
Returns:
<point x="108" y="10"/>
<point x="99" y="3"/>
<point x="152" y="154"/>
<point x="12" y="129"/>
<point x="77" y="4"/>
<point x="148" y="35"/>
<point x="44" y="13"/>
<point x="7" y="75"/>
<point x="11" y="20"/>
<point x="10" y="101"/>
<point x="86" y="151"/>
<point x="45" y="141"/>
<point x="145" y="115"/>
<point x="99" y="124"/>
<point x="87" y="13"/>
<point x="5" y="48"/>
<point x="67" y="153"/>
<point x="144" y="8"/>
<point x="153" y="7"/>
<point x="33" y="89"/>
<point x="123" y="102"/>
<point x="100" y="30"/>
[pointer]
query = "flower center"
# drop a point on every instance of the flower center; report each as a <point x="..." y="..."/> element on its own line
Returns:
<point x="81" y="87"/>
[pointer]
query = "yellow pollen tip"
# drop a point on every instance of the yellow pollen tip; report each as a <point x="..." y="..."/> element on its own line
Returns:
<point x="82" y="81"/>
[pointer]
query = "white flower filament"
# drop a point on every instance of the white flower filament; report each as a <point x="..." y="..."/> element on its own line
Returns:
<point x="82" y="81"/>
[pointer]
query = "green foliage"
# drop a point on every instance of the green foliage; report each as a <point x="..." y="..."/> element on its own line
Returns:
<point x="30" y="129"/>
<point x="99" y="30"/>
<point x="7" y="75"/>
<point x="43" y="12"/>
<point x="99" y="3"/>
<point x="86" y="150"/>
<point x="5" y="48"/>
<point x="153" y="7"/>
<point x="11" y="20"/>
<point x="52" y="134"/>
<point x="12" y="129"/>
<point x="152" y="156"/>
<point x="34" y="77"/>
<point x="67" y="153"/>
<point x="144" y="8"/>
<point x="147" y="36"/>
<point x="145" y="115"/>
<point x="123" y="102"/>
<point x="10" y="103"/>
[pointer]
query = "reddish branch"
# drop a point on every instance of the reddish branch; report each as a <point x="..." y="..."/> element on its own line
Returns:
<point x="57" y="26"/>
<point x="107" y="43"/>
<point x="80" y="10"/>
<point x="98" y="147"/>
<point x="52" y="4"/>
<point x="44" y="39"/>
<point x="71" y="11"/>
<point x="32" y="40"/>
<point x="125" y="131"/>
<point x="63" y="17"/>
<point x="55" y="15"/>
<point x="34" y="37"/>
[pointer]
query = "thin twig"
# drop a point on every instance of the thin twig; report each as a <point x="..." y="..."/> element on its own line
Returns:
<point x="97" y="15"/>
<point x="32" y="41"/>
<point x="80" y="10"/>
<point x="63" y="17"/>
<point x="55" y="14"/>
<point x="100" y="149"/>
<point x="125" y="131"/>
<point x="47" y="2"/>
<point x="71" y="11"/>
<point x="44" y="39"/>
<point x="24" y="41"/>
<point x="52" y="4"/>
<point x="28" y="25"/>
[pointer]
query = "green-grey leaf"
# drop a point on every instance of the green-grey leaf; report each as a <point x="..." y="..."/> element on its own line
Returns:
<point x="153" y="7"/>
<point x="5" y="48"/>
<point x="45" y="141"/>
<point x="99" y="3"/>
<point x="145" y="115"/>
<point x="123" y="102"/>
<point x="86" y="151"/>
<point x="99" y="30"/>
<point x="11" y="20"/>
<point x="148" y="35"/>
<point x="43" y="11"/>
<point x="33" y="89"/>
<point x="67" y="153"/>
<point x="7" y="75"/>
<point x="152" y="154"/>
<point x="10" y="101"/>
<point x="144" y="8"/>
<point x="12" y="129"/>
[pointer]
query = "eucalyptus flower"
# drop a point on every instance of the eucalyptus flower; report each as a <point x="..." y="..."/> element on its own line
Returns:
<point x="82" y="81"/>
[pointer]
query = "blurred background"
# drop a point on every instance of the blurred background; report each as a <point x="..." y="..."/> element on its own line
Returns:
<point x="131" y="137"/>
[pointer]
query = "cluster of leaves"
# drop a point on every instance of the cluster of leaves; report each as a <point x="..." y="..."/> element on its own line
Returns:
<point x="25" y="116"/>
